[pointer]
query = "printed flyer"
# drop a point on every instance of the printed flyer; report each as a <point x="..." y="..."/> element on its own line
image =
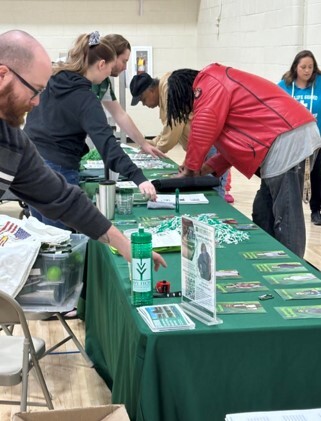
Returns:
<point x="264" y="254"/>
<point x="292" y="278"/>
<point x="299" y="293"/>
<point x="198" y="270"/>
<point x="300" y="312"/>
<point x="240" y="307"/>
<point x="280" y="267"/>
<point x="240" y="287"/>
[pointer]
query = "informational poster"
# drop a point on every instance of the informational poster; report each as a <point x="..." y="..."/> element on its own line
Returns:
<point x="198" y="270"/>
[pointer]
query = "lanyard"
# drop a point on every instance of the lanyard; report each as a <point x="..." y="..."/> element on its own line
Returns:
<point x="311" y="98"/>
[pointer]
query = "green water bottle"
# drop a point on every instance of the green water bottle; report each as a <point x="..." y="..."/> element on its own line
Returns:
<point x="142" y="275"/>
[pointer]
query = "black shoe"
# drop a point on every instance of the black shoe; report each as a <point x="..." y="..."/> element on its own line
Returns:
<point x="316" y="218"/>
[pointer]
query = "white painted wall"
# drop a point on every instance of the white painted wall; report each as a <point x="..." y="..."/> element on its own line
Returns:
<point x="259" y="36"/>
<point x="169" y="26"/>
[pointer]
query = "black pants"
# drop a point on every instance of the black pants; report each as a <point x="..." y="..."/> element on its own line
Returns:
<point x="315" y="177"/>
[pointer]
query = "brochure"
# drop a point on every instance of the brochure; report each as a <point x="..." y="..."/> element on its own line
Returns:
<point x="126" y="185"/>
<point x="290" y="279"/>
<point x="184" y="199"/>
<point x="280" y="267"/>
<point x="154" y="221"/>
<point x="290" y="415"/>
<point x="299" y="293"/>
<point x="300" y="312"/>
<point x="161" y="174"/>
<point x="90" y="164"/>
<point x="240" y="287"/>
<point x="198" y="270"/>
<point x="147" y="162"/>
<point x="169" y="240"/>
<point x="246" y="227"/>
<point x="228" y="273"/>
<point x="264" y="254"/>
<point x="139" y="199"/>
<point x="240" y="307"/>
<point x="165" y="317"/>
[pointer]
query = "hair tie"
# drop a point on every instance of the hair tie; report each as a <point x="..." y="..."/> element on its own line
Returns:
<point x="94" y="39"/>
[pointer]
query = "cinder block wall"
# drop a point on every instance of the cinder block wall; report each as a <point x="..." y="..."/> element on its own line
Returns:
<point x="168" y="26"/>
<point x="259" y="36"/>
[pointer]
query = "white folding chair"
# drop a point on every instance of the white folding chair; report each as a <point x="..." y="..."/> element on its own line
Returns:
<point x="19" y="354"/>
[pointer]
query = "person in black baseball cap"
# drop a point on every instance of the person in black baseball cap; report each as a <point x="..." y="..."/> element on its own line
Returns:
<point x="139" y="84"/>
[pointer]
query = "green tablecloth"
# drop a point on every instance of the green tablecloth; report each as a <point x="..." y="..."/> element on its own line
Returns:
<point x="251" y="362"/>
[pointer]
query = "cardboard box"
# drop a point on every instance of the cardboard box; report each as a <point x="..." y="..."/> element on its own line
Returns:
<point x="96" y="413"/>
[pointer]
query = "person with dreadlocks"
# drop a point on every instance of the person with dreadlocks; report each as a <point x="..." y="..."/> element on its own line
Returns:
<point x="153" y="92"/>
<point x="259" y="129"/>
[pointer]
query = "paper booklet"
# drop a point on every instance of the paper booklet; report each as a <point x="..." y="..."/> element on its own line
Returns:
<point x="292" y="415"/>
<point x="165" y="317"/>
<point x="169" y="240"/>
<point x="184" y="199"/>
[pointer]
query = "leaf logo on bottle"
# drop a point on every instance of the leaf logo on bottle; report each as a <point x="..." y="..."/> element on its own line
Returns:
<point x="141" y="268"/>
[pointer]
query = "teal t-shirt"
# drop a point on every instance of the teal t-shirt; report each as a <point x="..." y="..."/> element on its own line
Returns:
<point x="104" y="90"/>
<point x="309" y="97"/>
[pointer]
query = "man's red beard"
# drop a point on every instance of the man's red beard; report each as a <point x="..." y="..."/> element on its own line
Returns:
<point x="11" y="111"/>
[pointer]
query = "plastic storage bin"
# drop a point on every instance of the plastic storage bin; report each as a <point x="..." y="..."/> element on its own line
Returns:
<point x="55" y="276"/>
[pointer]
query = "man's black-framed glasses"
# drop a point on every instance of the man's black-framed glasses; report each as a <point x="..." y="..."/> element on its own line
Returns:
<point x="35" y="91"/>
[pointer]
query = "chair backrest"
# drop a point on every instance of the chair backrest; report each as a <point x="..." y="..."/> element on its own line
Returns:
<point x="12" y="313"/>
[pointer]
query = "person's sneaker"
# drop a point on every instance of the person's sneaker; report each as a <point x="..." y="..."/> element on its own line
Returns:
<point x="316" y="218"/>
<point x="228" y="198"/>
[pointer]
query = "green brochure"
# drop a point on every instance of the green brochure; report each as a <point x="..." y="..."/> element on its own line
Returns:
<point x="226" y="274"/>
<point x="300" y="312"/>
<point x="154" y="221"/>
<point x="299" y="293"/>
<point x="280" y="267"/>
<point x="240" y="287"/>
<point x="239" y="307"/>
<point x="264" y="254"/>
<point x="292" y="278"/>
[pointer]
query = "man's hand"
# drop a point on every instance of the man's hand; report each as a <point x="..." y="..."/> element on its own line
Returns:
<point x="148" y="190"/>
<point x="152" y="150"/>
<point x="118" y="240"/>
<point x="158" y="261"/>
<point x="185" y="172"/>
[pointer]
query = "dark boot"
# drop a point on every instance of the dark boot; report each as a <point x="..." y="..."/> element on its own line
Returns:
<point x="316" y="218"/>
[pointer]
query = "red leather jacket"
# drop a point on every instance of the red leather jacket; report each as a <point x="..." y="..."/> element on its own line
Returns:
<point x="241" y="115"/>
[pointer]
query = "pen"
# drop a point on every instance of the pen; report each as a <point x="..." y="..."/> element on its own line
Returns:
<point x="177" y="200"/>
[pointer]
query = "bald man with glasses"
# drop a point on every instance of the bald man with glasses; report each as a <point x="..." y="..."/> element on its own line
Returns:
<point x="24" y="72"/>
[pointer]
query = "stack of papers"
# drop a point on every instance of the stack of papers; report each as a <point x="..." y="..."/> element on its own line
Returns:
<point x="165" y="317"/>
<point x="293" y="415"/>
<point x="90" y="164"/>
<point x="184" y="199"/>
<point x="169" y="240"/>
<point x="126" y="185"/>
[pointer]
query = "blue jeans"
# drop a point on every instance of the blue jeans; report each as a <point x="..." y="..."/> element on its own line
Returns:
<point x="277" y="208"/>
<point x="223" y="179"/>
<point x="72" y="177"/>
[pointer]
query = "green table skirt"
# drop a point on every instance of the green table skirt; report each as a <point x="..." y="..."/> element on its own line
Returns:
<point x="251" y="362"/>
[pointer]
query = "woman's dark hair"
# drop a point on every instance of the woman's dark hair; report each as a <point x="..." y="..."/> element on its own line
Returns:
<point x="292" y="74"/>
<point x="180" y="95"/>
